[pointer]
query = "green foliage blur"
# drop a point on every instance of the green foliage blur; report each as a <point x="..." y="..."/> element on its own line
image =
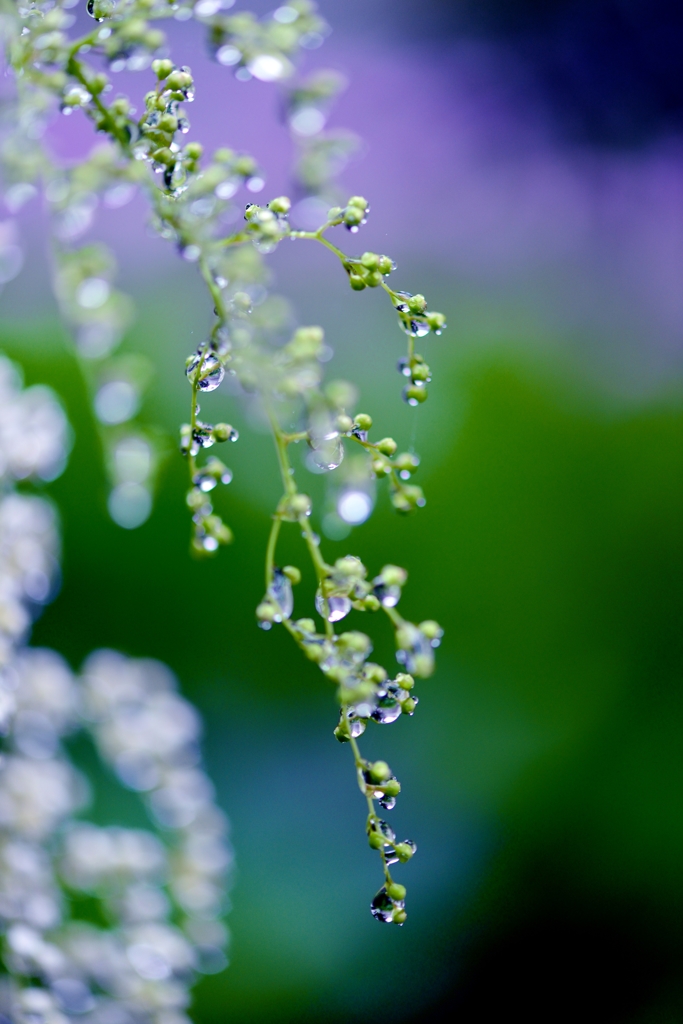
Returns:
<point x="542" y="772"/>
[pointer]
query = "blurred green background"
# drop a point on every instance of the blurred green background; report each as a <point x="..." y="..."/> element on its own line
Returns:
<point x="542" y="772"/>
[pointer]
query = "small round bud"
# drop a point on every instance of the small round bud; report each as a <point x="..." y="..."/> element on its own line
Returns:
<point x="179" y="81"/>
<point x="373" y="279"/>
<point x="387" y="446"/>
<point x="341" y="733"/>
<point x="399" y="916"/>
<point x="406" y="462"/>
<point x="344" y="423"/>
<point x="371" y="603"/>
<point x="437" y="321"/>
<point x="266" y="612"/>
<point x="280" y="205"/>
<point x="354" y="641"/>
<point x="392" y="787"/>
<point x="417" y="304"/>
<point x="195" y="499"/>
<point x="305" y="625"/>
<point x="408" y="705"/>
<point x="300" y="504"/>
<point x="359" y="202"/>
<point x="404" y="851"/>
<point x="98" y="83"/>
<point x="415" y="394"/>
<point x="353" y="216"/>
<point x="154" y="38"/>
<point x="162" y="68"/>
<point x="396" y="891"/>
<point x="292" y="573"/>
<point x="224" y="432"/>
<point x="193" y="150"/>
<point x="431" y="629"/>
<point x="385" y="265"/>
<point x="381" y="467"/>
<point x="362" y="421"/>
<point x="375" y="673"/>
<point x="376" y="840"/>
<point x="379" y="771"/>
<point x="356" y="282"/>
<point x="394" y="576"/>
<point x="370" y="260"/>
<point x="164" y="156"/>
<point x="120" y="107"/>
<point x="405" y="681"/>
<point x="420" y="372"/>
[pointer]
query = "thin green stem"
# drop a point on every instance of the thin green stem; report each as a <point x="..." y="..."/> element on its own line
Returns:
<point x="270" y="550"/>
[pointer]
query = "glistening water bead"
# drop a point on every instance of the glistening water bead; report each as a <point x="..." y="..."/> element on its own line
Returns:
<point x="209" y="375"/>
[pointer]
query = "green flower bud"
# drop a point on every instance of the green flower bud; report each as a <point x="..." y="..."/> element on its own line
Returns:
<point x="300" y="504"/>
<point x="406" y="462"/>
<point x="280" y="205"/>
<point x="359" y="202"/>
<point x="381" y="467"/>
<point x="195" y="499"/>
<point x="394" y="576"/>
<point x="437" y="321"/>
<point x="179" y="81"/>
<point x="154" y="38"/>
<point x="292" y="573"/>
<point x="193" y="150"/>
<point x="399" y="916"/>
<point x="356" y="282"/>
<point x="396" y="891"/>
<point x="266" y="612"/>
<point x="245" y="166"/>
<point x="376" y="840"/>
<point x="371" y="603"/>
<point x="405" y="681"/>
<point x="98" y="83"/>
<point x="392" y="787"/>
<point x="387" y="446"/>
<point x="354" y="641"/>
<point x="335" y="214"/>
<point x="344" y="423"/>
<point x="375" y="673"/>
<point x="404" y="851"/>
<point x="417" y="304"/>
<point x="305" y="625"/>
<point x="379" y="771"/>
<point x="120" y="107"/>
<point x="370" y="260"/>
<point x="341" y="734"/>
<point x="385" y="265"/>
<point x="168" y="123"/>
<point x="408" y="706"/>
<point x="431" y="629"/>
<point x="415" y="393"/>
<point x="164" y="156"/>
<point x="215" y="526"/>
<point x="420" y="372"/>
<point x="162" y="68"/>
<point x="224" y="432"/>
<point x="224" y="155"/>
<point x="374" y="279"/>
<point x="362" y="421"/>
<point x="353" y="216"/>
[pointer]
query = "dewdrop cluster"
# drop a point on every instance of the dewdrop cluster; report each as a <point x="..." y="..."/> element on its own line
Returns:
<point x="252" y="345"/>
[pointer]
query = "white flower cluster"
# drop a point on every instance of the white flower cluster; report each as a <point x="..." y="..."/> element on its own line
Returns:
<point x="33" y="442"/>
<point x="156" y="896"/>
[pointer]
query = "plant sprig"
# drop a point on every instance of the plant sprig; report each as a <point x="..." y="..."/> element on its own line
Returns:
<point x="189" y="197"/>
